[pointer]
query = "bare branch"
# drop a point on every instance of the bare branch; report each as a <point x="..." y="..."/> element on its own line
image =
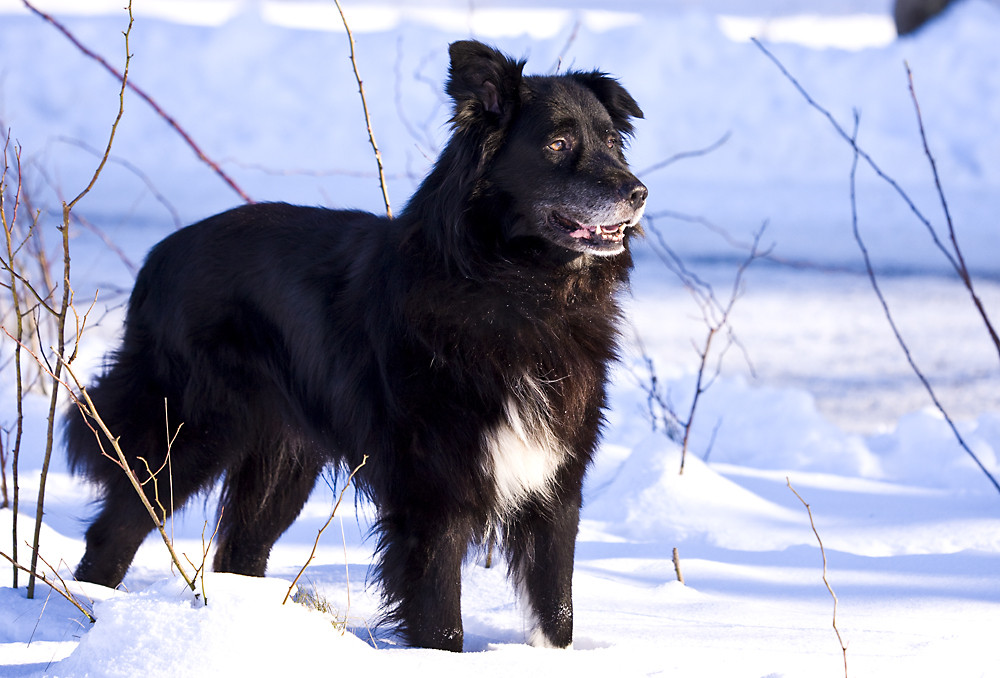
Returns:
<point x="7" y="220"/>
<point x="954" y="259"/>
<point x="574" y="32"/>
<point x="892" y="323"/>
<point x="368" y="119"/>
<point x="312" y="554"/>
<point x="88" y="410"/>
<point x="64" y="592"/>
<point x="716" y="317"/>
<point x="960" y="267"/>
<point x="829" y="588"/>
<point x="685" y="155"/>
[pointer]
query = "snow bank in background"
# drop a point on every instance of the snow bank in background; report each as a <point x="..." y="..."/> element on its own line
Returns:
<point x="856" y="32"/>
<point x="923" y="450"/>
<point x="167" y="631"/>
<point x="778" y="428"/>
<point x="772" y="428"/>
<point x="649" y="500"/>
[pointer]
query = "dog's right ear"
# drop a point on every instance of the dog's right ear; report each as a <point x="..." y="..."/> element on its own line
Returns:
<point x="484" y="84"/>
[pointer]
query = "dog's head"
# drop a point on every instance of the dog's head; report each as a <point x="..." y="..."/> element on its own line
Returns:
<point x="551" y="148"/>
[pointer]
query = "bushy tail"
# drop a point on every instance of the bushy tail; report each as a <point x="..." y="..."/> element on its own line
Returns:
<point x="132" y="412"/>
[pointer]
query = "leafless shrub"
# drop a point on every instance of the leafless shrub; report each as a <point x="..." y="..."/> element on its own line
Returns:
<point x="58" y="304"/>
<point x="715" y="314"/>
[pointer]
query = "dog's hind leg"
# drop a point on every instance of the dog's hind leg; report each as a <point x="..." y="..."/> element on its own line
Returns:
<point x="261" y="498"/>
<point x="114" y="537"/>
<point x="137" y="420"/>
<point x="540" y="543"/>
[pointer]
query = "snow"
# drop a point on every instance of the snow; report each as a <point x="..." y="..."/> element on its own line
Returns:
<point x="910" y="528"/>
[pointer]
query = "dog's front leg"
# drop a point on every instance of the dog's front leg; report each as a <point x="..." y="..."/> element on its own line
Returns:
<point x="541" y="543"/>
<point x="421" y="573"/>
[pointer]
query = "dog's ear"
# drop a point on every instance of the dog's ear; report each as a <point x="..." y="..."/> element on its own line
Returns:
<point x="619" y="103"/>
<point x="484" y="83"/>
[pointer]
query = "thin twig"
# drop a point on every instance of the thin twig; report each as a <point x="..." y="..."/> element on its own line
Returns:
<point x="829" y="588"/>
<point x="205" y="548"/>
<point x="89" y="411"/>
<point x="716" y="316"/>
<point x="47" y="582"/>
<point x="574" y="32"/>
<point x="145" y="97"/>
<point x="4" y="442"/>
<point x="867" y="158"/>
<point x="368" y="119"/>
<point x="658" y="406"/>
<point x="135" y="170"/>
<point x="312" y="554"/>
<point x="347" y="570"/>
<point x="683" y="155"/>
<point x="652" y="217"/>
<point x="8" y="220"/>
<point x="960" y="267"/>
<point x="130" y="265"/>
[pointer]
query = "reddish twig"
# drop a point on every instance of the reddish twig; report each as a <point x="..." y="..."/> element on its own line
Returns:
<point x="145" y="97"/>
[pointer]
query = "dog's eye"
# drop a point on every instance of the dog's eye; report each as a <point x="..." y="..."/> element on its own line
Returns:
<point x="612" y="140"/>
<point x="559" y="145"/>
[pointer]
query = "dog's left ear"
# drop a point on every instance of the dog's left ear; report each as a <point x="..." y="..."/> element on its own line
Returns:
<point x="619" y="103"/>
<point x="484" y="84"/>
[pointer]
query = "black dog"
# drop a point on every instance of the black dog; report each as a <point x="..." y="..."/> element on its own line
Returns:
<point x="464" y="347"/>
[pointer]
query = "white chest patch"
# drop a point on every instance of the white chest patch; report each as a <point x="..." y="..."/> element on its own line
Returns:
<point x="524" y="456"/>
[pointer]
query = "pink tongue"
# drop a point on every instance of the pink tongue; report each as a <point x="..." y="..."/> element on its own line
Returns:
<point x="581" y="233"/>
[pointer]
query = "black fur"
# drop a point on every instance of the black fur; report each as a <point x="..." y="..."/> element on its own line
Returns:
<point x="463" y="346"/>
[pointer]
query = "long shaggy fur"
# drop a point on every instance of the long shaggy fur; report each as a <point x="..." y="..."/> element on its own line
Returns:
<point x="464" y="347"/>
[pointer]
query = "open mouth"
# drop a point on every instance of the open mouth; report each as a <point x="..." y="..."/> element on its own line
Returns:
<point x="601" y="235"/>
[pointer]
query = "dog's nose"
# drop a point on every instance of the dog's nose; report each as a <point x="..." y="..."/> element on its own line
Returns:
<point x="634" y="192"/>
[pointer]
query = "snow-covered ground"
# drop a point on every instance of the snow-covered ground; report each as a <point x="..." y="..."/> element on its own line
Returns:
<point x="911" y="529"/>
